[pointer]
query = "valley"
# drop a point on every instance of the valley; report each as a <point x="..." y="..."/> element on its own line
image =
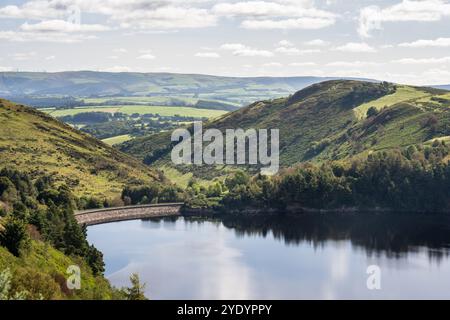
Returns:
<point x="345" y="146"/>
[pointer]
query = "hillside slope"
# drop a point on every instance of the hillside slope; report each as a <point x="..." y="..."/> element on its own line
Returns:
<point x="329" y="121"/>
<point x="36" y="143"/>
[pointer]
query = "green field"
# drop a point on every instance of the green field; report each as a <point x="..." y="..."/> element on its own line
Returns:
<point x="402" y="94"/>
<point x="182" y="179"/>
<point x="140" y="100"/>
<point x="117" y="139"/>
<point x="130" y="109"/>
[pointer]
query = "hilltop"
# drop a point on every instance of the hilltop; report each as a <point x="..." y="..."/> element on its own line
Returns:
<point x="331" y="121"/>
<point x="38" y="144"/>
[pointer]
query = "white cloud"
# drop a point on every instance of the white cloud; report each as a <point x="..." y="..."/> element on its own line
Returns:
<point x="288" y="50"/>
<point x="21" y="36"/>
<point x="117" y="69"/>
<point x="440" y="42"/>
<point x="285" y="24"/>
<point x="355" y="47"/>
<point x="294" y="51"/>
<point x="241" y="50"/>
<point x="136" y="14"/>
<point x="422" y="61"/>
<point x="276" y="15"/>
<point x="5" y="69"/>
<point x="317" y="43"/>
<point x="49" y="58"/>
<point x="232" y="46"/>
<point x="166" y="18"/>
<point x="61" y="26"/>
<point x="303" y="64"/>
<point x="22" y="56"/>
<point x="213" y="55"/>
<point x="146" y="56"/>
<point x="372" y="17"/>
<point x="272" y="65"/>
<point x="120" y="50"/>
<point x="270" y="9"/>
<point x="351" y="64"/>
<point x="285" y="43"/>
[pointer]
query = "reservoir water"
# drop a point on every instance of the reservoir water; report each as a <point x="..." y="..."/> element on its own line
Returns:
<point x="281" y="257"/>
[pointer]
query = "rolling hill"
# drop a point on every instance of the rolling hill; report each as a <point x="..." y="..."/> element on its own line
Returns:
<point x="41" y="88"/>
<point x="444" y="86"/>
<point x="38" y="144"/>
<point x="330" y="121"/>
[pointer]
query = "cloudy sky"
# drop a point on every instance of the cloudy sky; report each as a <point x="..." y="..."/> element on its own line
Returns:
<point x="395" y="40"/>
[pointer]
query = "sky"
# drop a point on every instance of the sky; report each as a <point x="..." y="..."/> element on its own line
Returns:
<point x="401" y="41"/>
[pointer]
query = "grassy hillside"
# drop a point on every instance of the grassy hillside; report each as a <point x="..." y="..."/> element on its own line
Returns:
<point x="42" y="271"/>
<point x="38" y="144"/>
<point x="329" y="121"/>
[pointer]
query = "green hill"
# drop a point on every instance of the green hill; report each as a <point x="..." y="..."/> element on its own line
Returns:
<point x="69" y="88"/>
<point x="36" y="143"/>
<point x="329" y="121"/>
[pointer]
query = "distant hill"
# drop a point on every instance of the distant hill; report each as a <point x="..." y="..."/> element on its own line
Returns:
<point x="444" y="87"/>
<point x="329" y="121"/>
<point x="40" y="88"/>
<point x="36" y="143"/>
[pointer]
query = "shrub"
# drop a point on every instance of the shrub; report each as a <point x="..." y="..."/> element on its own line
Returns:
<point x="14" y="236"/>
<point x="372" y="112"/>
<point x="37" y="285"/>
<point x="136" y="291"/>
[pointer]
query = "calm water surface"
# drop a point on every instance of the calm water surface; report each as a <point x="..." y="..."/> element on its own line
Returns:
<point x="305" y="257"/>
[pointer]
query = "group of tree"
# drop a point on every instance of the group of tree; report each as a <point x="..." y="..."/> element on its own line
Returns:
<point x="415" y="179"/>
<point x="47" y="208"/>
<point x="38" y="210"/>
<point x="152" y="193"/>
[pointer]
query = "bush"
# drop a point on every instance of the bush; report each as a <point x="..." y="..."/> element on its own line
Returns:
<point x="37" y="285"/>
<point x="372" y="112"/>
<point x="6" y="293"/>
<point x="14" y="236"/>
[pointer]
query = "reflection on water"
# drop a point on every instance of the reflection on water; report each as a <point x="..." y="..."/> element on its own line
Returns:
<point x="280" y="257"/>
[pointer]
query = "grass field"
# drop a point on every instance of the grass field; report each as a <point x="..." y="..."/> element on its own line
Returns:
<point x="130" y="109"/>
<point x="182" y="179"/>
<point x="402" y="94"/>
<point x="140" y="100"/>
<point x="117" y="139"/>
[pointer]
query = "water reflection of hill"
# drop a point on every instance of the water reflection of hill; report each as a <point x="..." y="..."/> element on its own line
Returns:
<point x="391" y="235"/>
<point x="387" y="234"/>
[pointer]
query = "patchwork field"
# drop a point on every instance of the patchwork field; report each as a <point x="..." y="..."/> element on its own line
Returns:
<point x="131" y="109"/>
<point x="117" y="139"/>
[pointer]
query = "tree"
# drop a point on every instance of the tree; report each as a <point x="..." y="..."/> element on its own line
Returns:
<point x="8" y="192"/>
<point x="238" y="178"/>
<point x="14" y="236"/>
<point x="372" y="112"/>
<point x="136" y="291"/>
<point x="95" y="260"/>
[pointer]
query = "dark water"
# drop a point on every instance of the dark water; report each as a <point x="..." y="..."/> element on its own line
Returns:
<point x="305" y="257"/>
